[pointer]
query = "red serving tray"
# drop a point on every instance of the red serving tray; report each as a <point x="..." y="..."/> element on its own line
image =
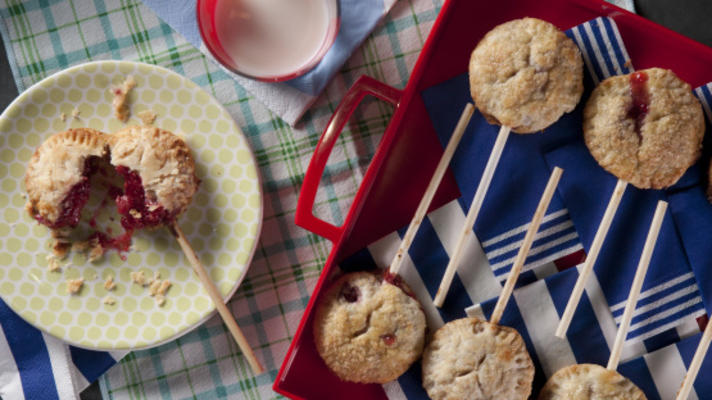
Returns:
<point x="409" y="150"/>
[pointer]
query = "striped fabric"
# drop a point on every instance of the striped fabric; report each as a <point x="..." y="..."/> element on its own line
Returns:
<point x="670" y="303"/>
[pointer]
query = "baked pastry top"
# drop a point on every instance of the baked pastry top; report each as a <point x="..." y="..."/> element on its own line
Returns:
<point x="161" y="160"/>
<point x="57" y="175"/>
<point x="472" y="359"/>
<point x="645" y="128"/>
<point x="525" y="74"/>
<point x="590" y="382"/>
<point x="368" y="330"/>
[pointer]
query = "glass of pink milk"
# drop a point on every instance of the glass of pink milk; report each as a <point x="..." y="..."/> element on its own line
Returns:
<point x="268" y="40"/>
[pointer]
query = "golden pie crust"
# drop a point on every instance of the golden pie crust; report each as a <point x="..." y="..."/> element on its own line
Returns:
<point x="56" y="166"/>
<point x="162" y="160"/>
<point x="590" y="382"/>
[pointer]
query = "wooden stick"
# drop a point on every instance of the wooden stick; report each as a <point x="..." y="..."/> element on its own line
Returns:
<point x="475" y="207"/>
<point x="637" y="285"/>
<point x="432" y="188"/>
<point x="209" y="286"/>
<point x="696" y="363"/>
<point x="526" y="245"/>
<point x="591" y="257"/>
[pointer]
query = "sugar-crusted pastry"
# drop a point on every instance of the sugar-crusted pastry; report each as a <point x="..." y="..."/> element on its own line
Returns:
<point x="472" y="359"/>
<point x="367" y="329"/>
<point x="525" y="74"/>
<point x="589" y="382"/>
<point x="159" y="175"/>
<point x="57" y="177"/>
<point x="645" y="128"/>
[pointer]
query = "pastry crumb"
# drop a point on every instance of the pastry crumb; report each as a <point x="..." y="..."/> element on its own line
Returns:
<point x="135" y="213"/>
<point x="138" y="278"/>
<point x="53" y="265"/>
<point x="121" y="94"/>
<point x="96" y="251"/>
<point x="109" y="300"/>
<point x="80" y="247"/>
<point x="160" y="300"/>
<point x="63" y="117"/>
<point x="60" y="247"/>
<point x="164" y="287"/>
<point x="75" y="113"/>
<point x="153" y="288"/>
<point x="74" y="285"/>
<point x="109" y="283"/>
<point x="148" y="117"/>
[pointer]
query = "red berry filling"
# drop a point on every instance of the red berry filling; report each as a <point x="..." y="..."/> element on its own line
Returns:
<point x="641" y="99"/>
<point x="119" y="243"/>
<point x="388" y="339"/>
<point x="350" y="293"/>
<point x="136" y="211"/>
<point x="72" y="205"/>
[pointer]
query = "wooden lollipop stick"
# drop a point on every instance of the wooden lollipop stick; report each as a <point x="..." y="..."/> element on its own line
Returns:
<point x="591" y="257"/>
<point x="475" y="207"/>
<point x="526" y="245"/>
<point x="696" y="363"/>
<point x="432" y="188"/>
<point x="217" y="299"/>
<point x="637" y="285"/>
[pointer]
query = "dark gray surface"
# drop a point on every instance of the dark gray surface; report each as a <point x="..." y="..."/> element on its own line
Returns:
<point x="688" y="17"/>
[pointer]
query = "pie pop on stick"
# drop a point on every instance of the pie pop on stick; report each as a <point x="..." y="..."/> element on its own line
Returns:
<point x="475" y="359"/>
<point x="592" y="381"/>
<point x="159" y="182"/>
<point x="369" y="328"/>
<point x="645" y="128"/>
<point x="524" y="75"/>
<point x="696" y="363"/>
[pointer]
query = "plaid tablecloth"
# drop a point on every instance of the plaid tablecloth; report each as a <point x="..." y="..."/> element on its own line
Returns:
<point x="45" y="36"/>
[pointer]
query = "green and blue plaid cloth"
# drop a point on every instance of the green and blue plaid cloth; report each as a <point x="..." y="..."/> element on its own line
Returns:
<point x="46" y="36"/>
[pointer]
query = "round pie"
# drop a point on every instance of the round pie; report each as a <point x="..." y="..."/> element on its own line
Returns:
<point x="525" y="74"/>
<point x="57" y="177"/>
<point x="645" y="128"/>
<point x="159" y="175"/>
<point x="472" y="359"/>
<point x="589" y="382"/>
<point x="368" y="329"/>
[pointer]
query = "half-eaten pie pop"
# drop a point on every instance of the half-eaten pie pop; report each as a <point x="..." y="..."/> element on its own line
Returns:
<point x="57" y="178"/>
<point x="159" y="176"/>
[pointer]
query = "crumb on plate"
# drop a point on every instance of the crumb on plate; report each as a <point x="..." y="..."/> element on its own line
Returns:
<point x="138" y="278"/>
<point x="109" y="300"/>
<point x="120" y="103"/>
<point x="148" y="117"/>
<point x="74" y="285"/>
<point x="109" y="283"/>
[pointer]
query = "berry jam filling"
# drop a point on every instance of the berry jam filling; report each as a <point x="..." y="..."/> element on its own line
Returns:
<point x="388" y="339"/>
<point x="350" y="293"/>
<point x="136" y="211"/>
<point x="119" y="243"/>
<point x="396" y="280"/>
<point x="78" y="196"/>
<point x="641" y="99"/>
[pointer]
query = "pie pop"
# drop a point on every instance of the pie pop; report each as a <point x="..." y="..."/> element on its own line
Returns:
<point x="524" y="75"/>
<point x="645" y="128"/>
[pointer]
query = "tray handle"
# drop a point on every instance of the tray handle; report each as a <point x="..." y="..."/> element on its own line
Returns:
<point x="304" y="216"/>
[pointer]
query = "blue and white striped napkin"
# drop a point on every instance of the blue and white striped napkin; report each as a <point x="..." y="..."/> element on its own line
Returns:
<point x="288" y="99"/>
<point x="671" y="301"/>
<point x="36" y="365"/>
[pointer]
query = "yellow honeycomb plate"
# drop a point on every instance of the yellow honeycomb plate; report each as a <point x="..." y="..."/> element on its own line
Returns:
<point x="222" y="223"/>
